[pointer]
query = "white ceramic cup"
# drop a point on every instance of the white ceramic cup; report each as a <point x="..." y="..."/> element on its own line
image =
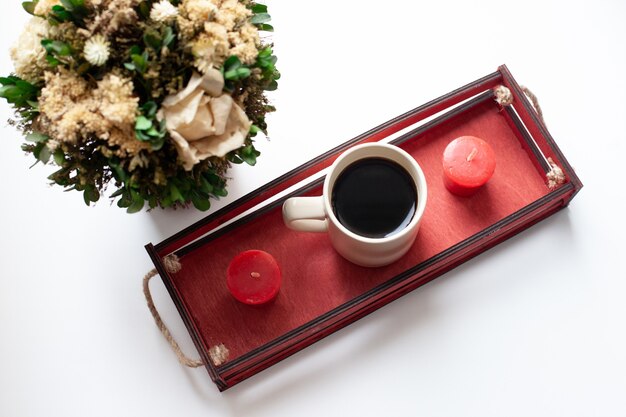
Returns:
<point x="315" y="214"/>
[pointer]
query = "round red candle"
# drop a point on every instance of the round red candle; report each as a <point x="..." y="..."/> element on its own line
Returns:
<point x="468" y="163"/>
<point x="253" y="277"/>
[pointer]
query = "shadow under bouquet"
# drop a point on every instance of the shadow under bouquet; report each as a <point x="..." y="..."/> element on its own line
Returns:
<point x="153" y="98"/>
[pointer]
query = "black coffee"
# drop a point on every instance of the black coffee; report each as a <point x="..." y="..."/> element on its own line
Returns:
<point x="374" y="197"/>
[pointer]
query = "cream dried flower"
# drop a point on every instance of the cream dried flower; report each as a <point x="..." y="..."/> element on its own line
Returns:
<point x="202" y="121"/>
<point x="73" y="110"/>
<point x="42" y="8"/>
<point x="163" y="11"/>
<point x="210" y="49"/>
<point x="232" y="13"/>
<point x="244" y="43"/>
<point x="199" y="11"/>
<point x="96" y="50"/>
<point x="29" y="57"/>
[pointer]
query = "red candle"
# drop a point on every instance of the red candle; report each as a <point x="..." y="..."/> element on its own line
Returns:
<point x="253" y="277"/>
<point x="468" y="163"/>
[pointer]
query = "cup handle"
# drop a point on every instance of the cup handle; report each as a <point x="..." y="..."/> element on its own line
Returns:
<point x="305" y="214"/>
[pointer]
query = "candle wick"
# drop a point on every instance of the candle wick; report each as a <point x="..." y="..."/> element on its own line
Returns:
<point x="255" y="275"/>
<point x="472" y="155"/>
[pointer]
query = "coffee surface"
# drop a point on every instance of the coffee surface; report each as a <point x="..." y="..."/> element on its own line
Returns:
<point x="374" y="197"/>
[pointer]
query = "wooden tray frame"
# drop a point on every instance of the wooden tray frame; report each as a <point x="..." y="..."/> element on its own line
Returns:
<point x="537" y="141"/>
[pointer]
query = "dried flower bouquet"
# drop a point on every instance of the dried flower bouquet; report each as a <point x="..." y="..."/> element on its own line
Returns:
<point x="154" y="97"/>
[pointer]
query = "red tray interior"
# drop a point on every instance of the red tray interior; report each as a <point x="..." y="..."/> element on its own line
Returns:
<point x="315" y="278"/>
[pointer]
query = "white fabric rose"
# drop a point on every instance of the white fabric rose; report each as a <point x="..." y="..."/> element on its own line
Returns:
<point x="202" y="121"/>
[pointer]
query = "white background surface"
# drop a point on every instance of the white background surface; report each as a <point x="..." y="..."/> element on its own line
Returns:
<point x="534" y="327"/>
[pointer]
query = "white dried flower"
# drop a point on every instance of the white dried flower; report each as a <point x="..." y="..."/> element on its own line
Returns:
<point x="29" y="57"/>
<point x="163" y="11"/>
<point x="96" y="50"/>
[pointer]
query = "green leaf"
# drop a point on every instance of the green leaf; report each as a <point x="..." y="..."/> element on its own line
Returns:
<point x="168" y="36"/>
<point x="90" y="194"/>
<point x="142" y="136"/>
<point x="149" y="109"/>
<point x="175" y="194"/>
<point x="200" y="202"/>
<point x="62" y="49"/>
<point x="52" y="61"/>
<point x="59" y="157"/>
<point x="26" y="87"/>
<point x="129" y="66"/>
<point x="144" y="10"/>
<point x="44" y="154"/>
<point x="9" y="91"/>
<point x="231" y="63"/>
<point x="243" y="72"/>
<point x="221" y="192"/>
<point x="56" y="47"/>
<point x="272" y="86"/>
<point x="214" y="179"/>
<point x="158" y="143"/>
<point x="205" y="187"/>
<point x="259" y="8"/>
<point x="142" y="123"/>
<point x="260" y="18"/>
<point x="36" y="137"/>
<point x="249" y="155"/>
<point x="139" y="61"/>
<point x="118" y="171"/>
<point x="265" y="52"/>
<point x="230" y="75"/>
<point x="86" y="198"/>
<point x="29" y="6"/>
<point x="84" y="67"/>
<point x="166" y="201"/>
<point x="234" y="158"/>
<point x="67" y="4"/>
<point x="237" y="74"/>
<point x="118" y="193"/>
<point x="62" y="15"/>
<point x="266" y="27"/>
<point x="136" y="205"/>
<point x="125" y="201"/>
<point x="152" y="40"/>
<point x="153" y="132"/>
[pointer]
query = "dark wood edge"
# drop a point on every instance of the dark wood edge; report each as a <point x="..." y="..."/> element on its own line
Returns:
<point x="182" y="310"/>
<point x="315" y="165"/>
<point x="532" y="145"/>
<point x="528" y="110"/>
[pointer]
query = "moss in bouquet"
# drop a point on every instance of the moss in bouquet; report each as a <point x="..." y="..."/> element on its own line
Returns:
<point x="159" y="181"/>
<point x="168" y="185"/>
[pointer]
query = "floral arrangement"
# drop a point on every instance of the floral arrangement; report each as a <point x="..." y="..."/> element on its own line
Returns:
<point x="157" y="98"/>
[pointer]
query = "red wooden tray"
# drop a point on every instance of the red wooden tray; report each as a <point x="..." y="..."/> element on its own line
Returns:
<point x="321" y="291"/>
